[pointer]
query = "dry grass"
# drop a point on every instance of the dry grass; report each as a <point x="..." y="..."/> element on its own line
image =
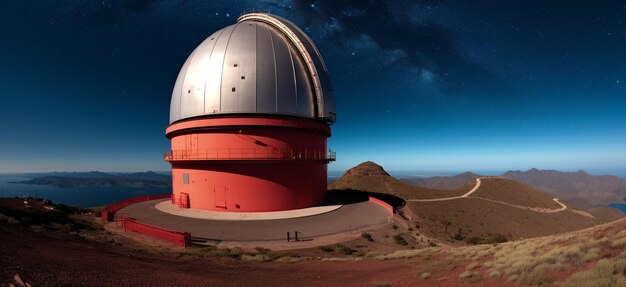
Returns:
<point x="533" y="261"/>
<point x="470" y="276"/>
<point x="606" y="273"/>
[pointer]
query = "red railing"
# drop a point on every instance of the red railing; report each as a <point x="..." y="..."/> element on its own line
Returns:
<point x="250" y="154"/>
<point x="108" y="212"/>
<point x="179" y="238"/>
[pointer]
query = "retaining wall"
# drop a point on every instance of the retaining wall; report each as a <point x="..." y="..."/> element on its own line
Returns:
<point x="182" y="239"/>
<point x="382" y="203"/>
<point x="109" y="211"/>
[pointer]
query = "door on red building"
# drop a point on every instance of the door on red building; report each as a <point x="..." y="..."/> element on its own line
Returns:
<point x="220" y="196"/>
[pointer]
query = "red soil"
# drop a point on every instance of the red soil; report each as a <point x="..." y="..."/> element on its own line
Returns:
<point x="54" y="259"/>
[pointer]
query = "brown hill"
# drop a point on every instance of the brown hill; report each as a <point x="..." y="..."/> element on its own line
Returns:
<point x="371" y="177"/>
<point x="498" y="206"/>
<point x="606" y="214"/>
<point x="442" y="182"/>
<point x="579" y="187"/>
<point x="474" y="217"/>
<point x="509" y="191"/>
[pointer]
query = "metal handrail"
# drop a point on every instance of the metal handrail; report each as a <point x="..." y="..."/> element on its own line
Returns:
<point x="249" y="154"/>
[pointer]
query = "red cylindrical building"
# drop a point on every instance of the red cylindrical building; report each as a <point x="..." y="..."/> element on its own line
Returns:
<point x="249" y="118"/>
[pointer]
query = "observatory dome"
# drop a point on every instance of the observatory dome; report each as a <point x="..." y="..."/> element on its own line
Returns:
<point x="263" y="64"/>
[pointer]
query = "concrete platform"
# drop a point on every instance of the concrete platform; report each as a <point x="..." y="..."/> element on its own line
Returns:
<point x="349" y="217"/>
<point x="167" y="207"/>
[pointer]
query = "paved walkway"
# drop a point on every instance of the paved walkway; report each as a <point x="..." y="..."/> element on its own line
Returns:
<point x="350" y="217"/>
<point x="167" y="207"/>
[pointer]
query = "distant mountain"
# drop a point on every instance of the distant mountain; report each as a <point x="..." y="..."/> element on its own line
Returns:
<point x="101" y="179"/>
<point x="579" y="187"/>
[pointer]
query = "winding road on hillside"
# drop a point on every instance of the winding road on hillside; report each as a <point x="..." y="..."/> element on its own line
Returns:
<point x="478" y="182"/>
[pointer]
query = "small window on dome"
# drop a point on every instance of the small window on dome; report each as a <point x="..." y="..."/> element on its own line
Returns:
<point x="243" y="77"/>
<point x="233" y="89"/>
<point x="235" y="65"/>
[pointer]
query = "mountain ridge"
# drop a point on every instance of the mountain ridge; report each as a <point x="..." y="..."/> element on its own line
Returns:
<point x="578" y="187"/>
<point x="101" y="179"/>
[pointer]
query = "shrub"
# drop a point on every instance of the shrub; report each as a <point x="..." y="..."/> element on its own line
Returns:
<point x="326" y="248"/>
<point x="534" y="277"/>
<point x="496" y="238"/>
<point x="367" y="236"/>
<point x="470" y="276"/>
<point x="262" y="250"/>
<point x="458" y="237"/>
<point x="425" y="275"/>
<point x="345" y="250"/>
<point x="495" y="273"/>
<point x="474" y="240"/>
<point x="398" y="239"/>
<point x="274" y="255"/>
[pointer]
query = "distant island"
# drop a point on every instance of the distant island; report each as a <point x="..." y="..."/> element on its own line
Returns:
<point x="101" y="179"/>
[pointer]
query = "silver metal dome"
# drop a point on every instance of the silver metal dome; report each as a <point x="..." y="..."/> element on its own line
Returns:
<point x="264" y="64"/>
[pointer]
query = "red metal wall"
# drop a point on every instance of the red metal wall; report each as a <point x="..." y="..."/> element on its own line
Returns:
<point x="182" y="239"/>
<point x="249" y="164"/>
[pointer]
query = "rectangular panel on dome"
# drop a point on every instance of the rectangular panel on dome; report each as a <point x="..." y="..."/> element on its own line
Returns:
<point x="285" y="79"/>
<point x="266" y="80"/>
<point x="213" y="77"/>
<point x="239" y="95"/>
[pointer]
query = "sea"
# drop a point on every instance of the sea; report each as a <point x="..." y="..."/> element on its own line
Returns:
<point x="80" y="197"/>
<point x="620" y="206"/>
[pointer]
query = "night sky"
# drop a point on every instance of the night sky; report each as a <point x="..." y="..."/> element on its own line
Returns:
<point x="419" y="85"/>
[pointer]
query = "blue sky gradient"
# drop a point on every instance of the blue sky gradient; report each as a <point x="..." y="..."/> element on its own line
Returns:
<point x="419" y="85"/>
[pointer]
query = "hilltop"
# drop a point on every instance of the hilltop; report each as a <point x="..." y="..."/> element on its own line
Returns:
<point x="371" y="177"/>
